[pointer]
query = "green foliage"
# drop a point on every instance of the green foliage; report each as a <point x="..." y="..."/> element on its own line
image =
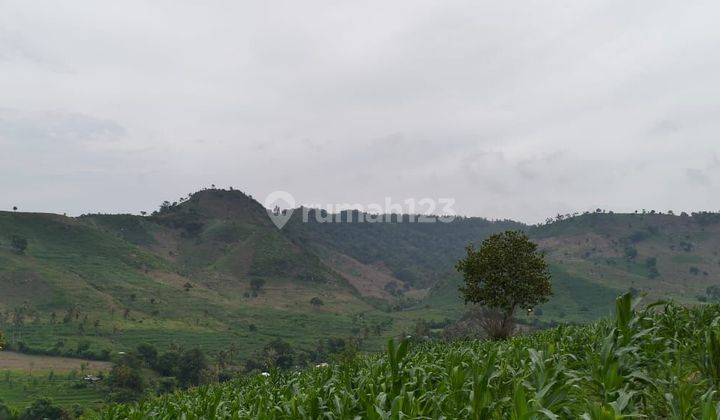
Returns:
<point x="44" y="409"/>
<point x="149" y="354"/>
<point x="634" y="366"/>
<point x="505" y="273"/>
<point x="6" y="413"/>
<point x="713" y="292"/>
<point x="168" y="362"/>
<point x="709" y="359"/>
<point x="630" y="252"/>
<point x="278" y="354"/>
<point x="126" y="379"/>
<point x="192" y="367"/>
<point x="257" y="284"/>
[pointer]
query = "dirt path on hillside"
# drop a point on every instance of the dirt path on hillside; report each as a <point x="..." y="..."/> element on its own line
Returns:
<point x="22" y="362"/>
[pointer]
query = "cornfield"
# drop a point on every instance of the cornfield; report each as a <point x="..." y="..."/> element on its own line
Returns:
<point x="662" y="361"/>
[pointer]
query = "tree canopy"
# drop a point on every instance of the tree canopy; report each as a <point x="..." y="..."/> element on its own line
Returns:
<point x="505" y="273"/>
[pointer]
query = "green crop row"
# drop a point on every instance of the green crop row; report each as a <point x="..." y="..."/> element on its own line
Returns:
<point x="659" y="362"/>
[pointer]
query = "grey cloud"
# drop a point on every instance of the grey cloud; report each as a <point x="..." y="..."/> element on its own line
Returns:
<point x="515" y="109"/>
<point x="59" y="128"/>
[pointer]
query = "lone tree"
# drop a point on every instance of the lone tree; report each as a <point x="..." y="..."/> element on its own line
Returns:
<point x="504" y="274"/>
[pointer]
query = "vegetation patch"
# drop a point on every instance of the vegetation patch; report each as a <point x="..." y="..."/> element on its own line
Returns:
<point x="648" y="363"/>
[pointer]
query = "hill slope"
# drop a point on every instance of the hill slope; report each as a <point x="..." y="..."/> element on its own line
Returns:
<point x="593" y="257"/>
<point x="213" y="271"/>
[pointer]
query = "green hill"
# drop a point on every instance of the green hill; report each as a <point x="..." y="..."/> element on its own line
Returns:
<point x="663" y="256"/>
<point x="593" y="257"/>
<point x="641" y="364"/>
<point x="213" y="271"/>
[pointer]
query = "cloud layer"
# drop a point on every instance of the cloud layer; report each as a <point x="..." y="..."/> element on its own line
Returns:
<point x="515" y="109"/>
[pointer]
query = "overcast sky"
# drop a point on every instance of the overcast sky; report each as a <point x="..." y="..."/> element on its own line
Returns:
<point x="514" y="109"/>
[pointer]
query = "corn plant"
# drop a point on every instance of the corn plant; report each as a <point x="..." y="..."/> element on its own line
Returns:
<point x="661" y="361"/>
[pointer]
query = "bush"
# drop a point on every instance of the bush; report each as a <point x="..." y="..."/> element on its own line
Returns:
<point x="149" y="355"/>
<point x="256" y="285"/>
<point x="278" y="354"/>
<point x="167" y="385"/>
<point x="713" y="293"/>
<point x="630" y="253"/>
<point x="18" y="244"/>
<point x="192" y="367"/>
<point x="6" y="413"/>
<point x="44" y="409"/>
<point x="167" y="364"/>
<point x="128" y="377"/>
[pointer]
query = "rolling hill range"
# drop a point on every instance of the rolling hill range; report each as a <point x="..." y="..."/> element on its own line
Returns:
<point x="213" y="271"/>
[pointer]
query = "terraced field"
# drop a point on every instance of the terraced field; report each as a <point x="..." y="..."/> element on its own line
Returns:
<point x="24" y="378"/>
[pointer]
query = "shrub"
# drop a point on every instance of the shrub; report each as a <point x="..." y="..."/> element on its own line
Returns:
<point x="192" y="367"/>
<point x="44" y="408"/>
<point x="18" y="244"/>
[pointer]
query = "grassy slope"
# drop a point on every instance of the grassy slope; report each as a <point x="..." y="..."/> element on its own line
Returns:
<point x="104" y="265"/>
<point x="616" y="251"/>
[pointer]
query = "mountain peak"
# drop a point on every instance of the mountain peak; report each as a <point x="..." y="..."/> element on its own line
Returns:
<point x="215" y="204"/>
